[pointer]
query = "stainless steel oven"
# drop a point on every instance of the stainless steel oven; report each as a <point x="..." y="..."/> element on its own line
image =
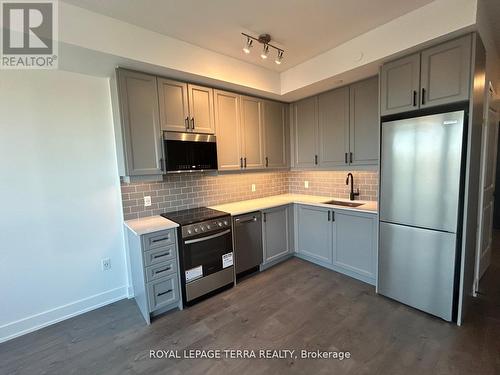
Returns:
<point x="188" y="152"/>
<point x="206" y="252"/>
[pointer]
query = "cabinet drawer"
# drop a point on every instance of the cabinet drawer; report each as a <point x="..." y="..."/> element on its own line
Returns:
<point x="161" y="270"/>
<point x="159" y="239"/>
<point x="163" y="292"/>
<point x="160" y="255"/>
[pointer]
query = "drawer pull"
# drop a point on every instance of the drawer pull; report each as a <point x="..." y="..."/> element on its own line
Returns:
<point x="163" y="270"/>
<point x="163" y="293"/>
<point x="161" y="255"/>
<point x="161" y="239"/>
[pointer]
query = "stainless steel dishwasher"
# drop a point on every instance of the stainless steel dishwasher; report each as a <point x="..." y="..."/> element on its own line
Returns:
<point x="248" y="242"/>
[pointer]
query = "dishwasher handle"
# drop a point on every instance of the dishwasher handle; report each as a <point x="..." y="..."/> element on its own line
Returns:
<point x="251" y="220"/>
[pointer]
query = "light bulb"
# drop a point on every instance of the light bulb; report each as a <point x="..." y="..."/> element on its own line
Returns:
<point x="265" y="52"/>
<point x="248" y="45"/>
<point x="279" y="57"/>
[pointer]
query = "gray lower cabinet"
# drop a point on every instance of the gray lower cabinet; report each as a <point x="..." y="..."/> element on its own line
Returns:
<point x="137" y="124"/>
<point x="342" y="240"/>
<point x="314" y="233"/>
<point x="276" y="233"/>
<point x="355" y="248"/>
<point x="154" y="267"/>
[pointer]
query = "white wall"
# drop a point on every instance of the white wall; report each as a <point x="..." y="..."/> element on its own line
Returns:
<point x="60" y="194"/>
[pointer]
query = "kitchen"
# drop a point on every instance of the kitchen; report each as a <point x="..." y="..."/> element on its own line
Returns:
<point x="235" y="219"/>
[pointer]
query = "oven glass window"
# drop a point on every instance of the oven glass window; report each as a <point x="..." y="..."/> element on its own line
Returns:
<point x="207" y="254"/>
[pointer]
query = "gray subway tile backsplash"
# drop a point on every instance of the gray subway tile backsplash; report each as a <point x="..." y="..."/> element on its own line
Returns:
<point x="190" y="190"/>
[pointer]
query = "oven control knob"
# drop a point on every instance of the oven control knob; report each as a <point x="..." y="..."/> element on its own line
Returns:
<point x="219" y="224"/>
<point x="225" y="222"/>
<point x="189" y="231"/>
<point x="196" y="230"/>
<point x="202" y="228"/>
<point x="208" y="226"/>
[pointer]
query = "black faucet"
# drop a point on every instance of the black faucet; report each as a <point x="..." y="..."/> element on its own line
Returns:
<point x="352" y="194"/>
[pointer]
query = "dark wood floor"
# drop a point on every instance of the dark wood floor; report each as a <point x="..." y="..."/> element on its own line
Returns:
<point x="293" y="305"/>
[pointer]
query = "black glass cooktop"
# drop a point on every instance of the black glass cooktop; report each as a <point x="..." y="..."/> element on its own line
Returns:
<point x="193" y="215"/>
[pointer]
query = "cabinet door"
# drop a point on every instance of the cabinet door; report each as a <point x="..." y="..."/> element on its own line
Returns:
<point x="446" y="73"/>
<point x="333" y="119"/>
<point x="305" y="129"/>
<point x="174" y="110"/>
<point x="138" y="98"/>
<point x="275" y="135"/>
<point x="201" y="109"/>
<point x="400" y="82"/>
<point x="276" y="236"/>
<point x="314" y="233"/>
<point x="355" y="243"/>
<point x="364" y="123"/>
<point x="227" y="123"/>
<point x="252" y="132"/>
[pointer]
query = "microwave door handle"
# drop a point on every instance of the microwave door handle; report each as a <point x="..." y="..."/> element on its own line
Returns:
<point x="207" y="237"/>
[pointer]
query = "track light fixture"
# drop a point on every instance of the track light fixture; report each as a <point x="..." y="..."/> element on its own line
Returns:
<point x="265" y="40"/>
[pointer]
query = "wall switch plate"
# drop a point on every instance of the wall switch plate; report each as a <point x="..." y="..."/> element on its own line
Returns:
<point x="147" y="201"/>
<point x="106" y="264"/>
<point x="253" y="187"/>
<point x="306" y="184"/>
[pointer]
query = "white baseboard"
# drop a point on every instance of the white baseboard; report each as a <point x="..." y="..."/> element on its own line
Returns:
<point x="34" y="322"/>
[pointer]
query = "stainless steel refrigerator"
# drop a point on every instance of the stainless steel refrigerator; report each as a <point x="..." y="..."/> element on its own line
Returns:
<point x="420" y="209"/>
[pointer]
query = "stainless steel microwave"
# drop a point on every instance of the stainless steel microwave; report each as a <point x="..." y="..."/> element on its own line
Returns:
<point x="188" y="152"/>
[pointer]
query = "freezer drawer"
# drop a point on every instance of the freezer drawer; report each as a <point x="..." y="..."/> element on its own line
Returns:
<point x="417" y="267"/>
<point x="420" y="171"/>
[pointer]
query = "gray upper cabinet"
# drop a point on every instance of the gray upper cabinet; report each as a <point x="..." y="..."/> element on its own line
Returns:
<point x="436" y="76"/>
<point x="140" y="124"/>
<point x="227" y="120"/>
<point x="314" y="233"/>
<point x="445" y="74"/>
<point x="333" y="113"/>
<point x="364" y="123"/>
<point x="276" y="233"/>
<point x="174" y="107"/>
<point x="275" y="134"/>
<point x="252" y="132"/>
<point x="185" y="107"/>
<point x="305" y="129"/>
<point x="400" y="83"/>
<point x="201" y="109"/>
<point x="355" y="245"/>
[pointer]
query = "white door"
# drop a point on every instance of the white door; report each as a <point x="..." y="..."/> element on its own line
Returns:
<point x="486" y="198"/>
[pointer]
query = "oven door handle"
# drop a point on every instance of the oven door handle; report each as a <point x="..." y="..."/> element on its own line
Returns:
<point x="208" y="237"/>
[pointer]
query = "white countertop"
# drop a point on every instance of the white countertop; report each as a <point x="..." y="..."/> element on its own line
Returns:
<point x="149" y="225"/>
<point x="243" y="207"/>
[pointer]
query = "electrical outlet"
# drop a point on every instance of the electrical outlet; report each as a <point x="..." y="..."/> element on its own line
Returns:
<point x="147" y="201"/>
<point x="306" y="184"/>
<point x="106" y="264"/>
<point x="253" y="187"/>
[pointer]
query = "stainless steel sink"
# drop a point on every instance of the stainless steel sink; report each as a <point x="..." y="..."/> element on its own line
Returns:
<point x="344" y="203"/>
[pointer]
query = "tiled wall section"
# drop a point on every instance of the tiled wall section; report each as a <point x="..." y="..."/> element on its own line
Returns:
<point x="333" y="183"/>
<point x="181" y="191"/>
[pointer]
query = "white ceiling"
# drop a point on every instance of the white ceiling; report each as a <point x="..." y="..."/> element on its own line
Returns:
<point x="304" y="28"/>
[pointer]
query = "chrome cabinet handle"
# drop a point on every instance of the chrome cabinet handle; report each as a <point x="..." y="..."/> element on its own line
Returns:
<point x="163" y="270"/>
<point x="423" y="96"/>
<point x="160" y="239"/>
<point x="350" y="157"/>
<point x="161" y="255"/>
<point x="329" y="215"/>
<point x="265" y="217"/>
<point x="333" y="216"/>
<point x="186" y="120"/>
<point x="414" y="98"/>
<point x="192" y="123"/>
<point x="241" y="162"/>
<point x="267" y="162"/>
<point x="245" y="160"/>
<point x="316" y="159"/>
<point x="162" y="165"/>
<point x="345" y="157"/>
